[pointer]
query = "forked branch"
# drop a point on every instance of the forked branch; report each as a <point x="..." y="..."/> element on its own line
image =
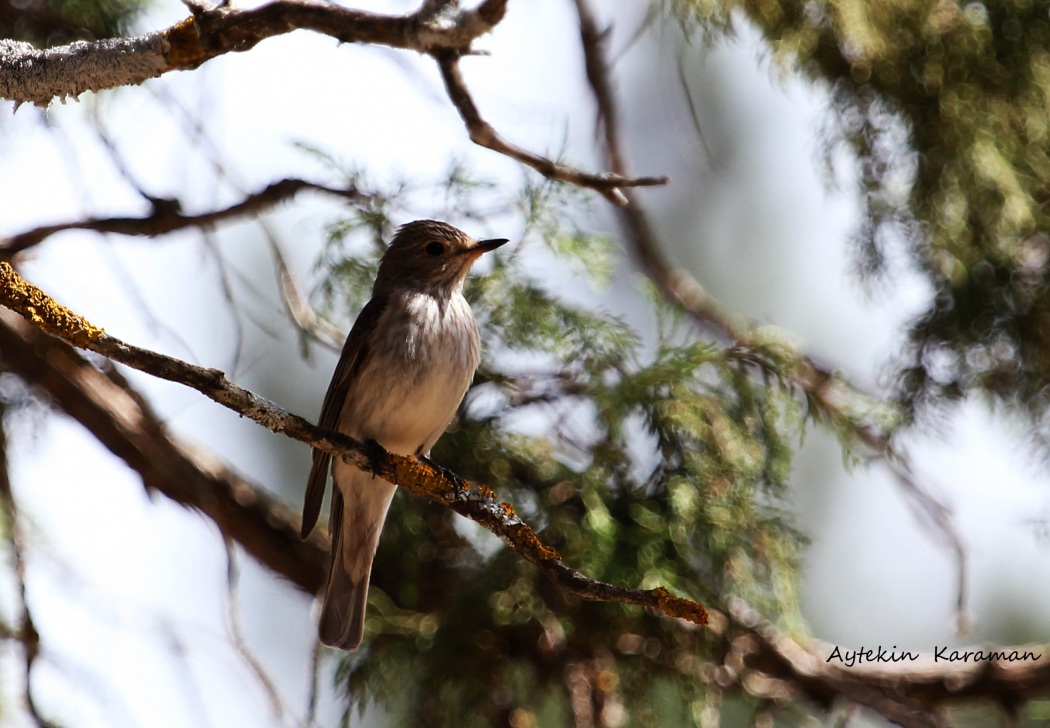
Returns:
<point x="28" y="74"/>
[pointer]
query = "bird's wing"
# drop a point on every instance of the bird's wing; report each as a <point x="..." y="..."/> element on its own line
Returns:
<point x="355" y="352"/>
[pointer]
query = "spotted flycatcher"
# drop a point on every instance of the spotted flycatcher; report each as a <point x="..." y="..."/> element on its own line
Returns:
<point x="405" y="367"/>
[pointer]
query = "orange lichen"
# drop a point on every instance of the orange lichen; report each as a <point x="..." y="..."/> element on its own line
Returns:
<point x="418" y="478"/>
<point x="184" y="45"/>
<point x="43" y="311"/>
<point x="681" y="608"/>
<point x="526" y="538"/>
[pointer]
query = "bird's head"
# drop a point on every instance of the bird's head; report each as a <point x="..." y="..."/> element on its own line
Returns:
<point x="430" y="255"/>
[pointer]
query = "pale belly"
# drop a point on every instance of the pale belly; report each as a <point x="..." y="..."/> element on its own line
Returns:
<point x="405" y="397"/>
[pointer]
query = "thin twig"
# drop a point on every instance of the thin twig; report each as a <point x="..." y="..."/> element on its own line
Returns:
<point x="937" y="516"/>
<point x="25" y="633"/>
<point x="236" y="630"/>
<point x="823" y="387"/>
<point x="676" y="284"/>
<point x="299" y="310"/>
<point x="315" y="683"/>
<point x="482" y="133"/>
<point x="167" y="217"/>
<point x="439" y="29"/>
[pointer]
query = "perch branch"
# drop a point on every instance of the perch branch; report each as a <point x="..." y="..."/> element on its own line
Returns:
<point x="115" y="413"/>
<point x="475" y="502"/>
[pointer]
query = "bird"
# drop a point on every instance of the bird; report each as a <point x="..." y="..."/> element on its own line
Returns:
<point x="404" y="369"/>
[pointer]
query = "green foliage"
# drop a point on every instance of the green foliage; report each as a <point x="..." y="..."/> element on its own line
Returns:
<point x="643" y="465"/>
<point x="947" y="107"/>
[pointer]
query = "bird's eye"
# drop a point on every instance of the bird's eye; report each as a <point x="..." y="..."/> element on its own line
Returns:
<point x="435" y="249"/>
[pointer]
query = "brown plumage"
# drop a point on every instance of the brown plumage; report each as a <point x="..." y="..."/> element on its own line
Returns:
<point x="404" y="369"/>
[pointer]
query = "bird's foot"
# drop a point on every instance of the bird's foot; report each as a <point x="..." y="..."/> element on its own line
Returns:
<point x="459" y="486"/>
<point x="376" y="455"/>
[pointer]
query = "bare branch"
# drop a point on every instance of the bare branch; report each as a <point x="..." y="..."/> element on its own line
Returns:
<point x="39" y="76"/>
<point x="236" y="631"/>
<point x="25" y="632"/>
<point x="476" y="502"/>
<point x="166" y="216"/>
<point x="823" y="388"/>
<point x="937" y="516"/>
<point x="439" y="29"/>
<point x="482" y="133"/>
<point x="299" y="310"/>
<point x="676" y="284"/>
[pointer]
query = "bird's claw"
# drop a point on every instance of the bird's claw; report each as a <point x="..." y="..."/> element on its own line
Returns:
<point x="459" y="486"/>
<point x="376" y="455"/>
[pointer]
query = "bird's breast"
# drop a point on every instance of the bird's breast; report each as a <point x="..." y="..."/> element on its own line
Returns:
<point x="420" y="363"/>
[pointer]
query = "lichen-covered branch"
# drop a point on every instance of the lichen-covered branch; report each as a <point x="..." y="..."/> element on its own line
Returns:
<point x="167" y="217"/>
<point x="475" y="502"/>
<point x="40" y="76"/>
<point x="113" y="411"/>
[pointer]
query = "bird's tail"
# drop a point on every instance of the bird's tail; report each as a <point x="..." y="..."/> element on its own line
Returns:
<point x="342" y="622"/>
<point x="355" y="527"/>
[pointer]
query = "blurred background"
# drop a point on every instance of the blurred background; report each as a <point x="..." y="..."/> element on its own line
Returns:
<point x="130" y="593"/>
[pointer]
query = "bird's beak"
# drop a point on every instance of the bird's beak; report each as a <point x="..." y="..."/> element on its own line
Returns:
<point x="485" y="246"/>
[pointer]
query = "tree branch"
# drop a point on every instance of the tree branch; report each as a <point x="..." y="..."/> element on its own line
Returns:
<point x="28" y="74"/>
<point x="909" y="693"/>
<point x="167" y="217"/>
<point x="476" y="502"/>
<point x="823" y="388"/>
<point x="676" y="284"/>
<point x="906" y="696"/>
<point x="31" y="75"/>
<point x="115" y="413"/>
<point x="482" y="134"/>
<point x="25" y="632"/>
